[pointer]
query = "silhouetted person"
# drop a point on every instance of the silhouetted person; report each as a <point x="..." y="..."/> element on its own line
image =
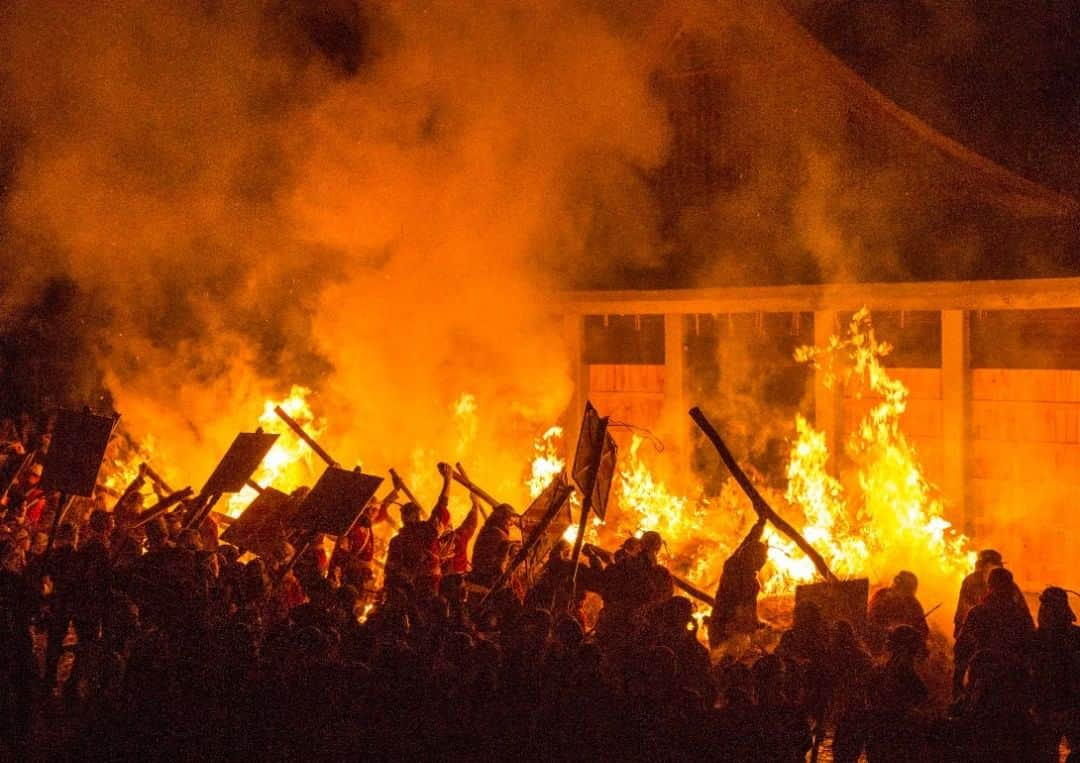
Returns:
<point x="893" y="606"/>
<point x="737" y="592"/>
<point x="973" y="590"/>
<point x="1055" y="670"/>
<point x="999" y="622"/>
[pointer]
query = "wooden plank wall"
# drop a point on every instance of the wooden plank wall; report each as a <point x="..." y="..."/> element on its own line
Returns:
<point x="630" y="393"/>
<point x="921" y="423"/>
<point x="1024" y="452"/>
<point x="1025" y="469"/>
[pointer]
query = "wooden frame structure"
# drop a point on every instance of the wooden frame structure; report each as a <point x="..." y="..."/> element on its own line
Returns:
<point x="954" y="300"/>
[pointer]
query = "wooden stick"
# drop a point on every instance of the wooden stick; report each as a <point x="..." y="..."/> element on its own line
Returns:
<point x="759" y="503"/>
<point x="162" y="506"/>
<point x="472" y="488"/>
<point x="586" y="502"/>
<point x="255" y="486"/>
<point x="133" y="486"/>
<point x="26" y="460"/>
<point x="396" y="479"/>
<point x="156" y="478"/>
<point x="461" y="471"/>
<point x="294" y="426"/>
<point x="693" y="590"/>
<point x="61" y="509"/>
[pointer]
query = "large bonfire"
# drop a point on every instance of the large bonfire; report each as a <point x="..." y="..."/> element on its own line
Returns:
<point x="881" y="517"/>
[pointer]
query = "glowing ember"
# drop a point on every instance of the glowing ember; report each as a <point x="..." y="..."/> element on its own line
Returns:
<point x="290" y="463"/>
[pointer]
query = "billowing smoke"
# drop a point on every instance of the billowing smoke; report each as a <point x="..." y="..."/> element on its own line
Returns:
<point x="357" y="197"/>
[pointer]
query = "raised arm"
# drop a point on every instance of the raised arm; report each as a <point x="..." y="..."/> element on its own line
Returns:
<point x="472" y="519"/>
<point x="754" y="536"/>
<point x="440" y="515"/>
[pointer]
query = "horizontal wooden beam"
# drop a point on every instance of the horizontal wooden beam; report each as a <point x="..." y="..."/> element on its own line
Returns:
<point x="1027" y="294"/>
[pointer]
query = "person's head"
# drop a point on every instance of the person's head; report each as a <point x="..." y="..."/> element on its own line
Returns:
<point x="843" y="636"/>
<point x="1000" y="580"/>
<point x="410" y="513"/>
<point x="569" y="632"/>
<point x="157" y="533"/>
<point x="561" y="550"/>
<point x="190" y="540"/>
<point x="283" y="552"/>
<point x="677" y="613"/>
<point x="630" y="547"/>
<point x="100" y="522"/>
<point x="987" y="560"/>
<point x="905" y="643"/>
<point x="173" y="525"/>
<point x="1054" y="609"/>
<point x="651" y="543"/>
<point x="807" y="616"/>
<point x="66" y="535"/>
<point x="906" y="583"/>
<point x="39" y="543"/>
<point x="229" y="553"/>
<point x="21" y="539"/>
<point x="503" y="514"/>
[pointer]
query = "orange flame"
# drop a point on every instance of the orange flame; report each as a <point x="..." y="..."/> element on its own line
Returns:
<point x="290" y="463"/>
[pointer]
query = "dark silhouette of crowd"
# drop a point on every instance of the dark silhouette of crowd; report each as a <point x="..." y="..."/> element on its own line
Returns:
<point x="159" y="641"/>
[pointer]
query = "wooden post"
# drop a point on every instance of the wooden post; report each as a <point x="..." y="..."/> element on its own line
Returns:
<point x="955" y="402"/>
<point x="828" y="403"/>
<point x="574" y="337"/>
<point x="674" y="391"/>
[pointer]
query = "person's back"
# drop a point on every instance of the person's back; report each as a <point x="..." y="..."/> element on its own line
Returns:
<point x="735" y="609"/>
<point x="490" y="550"/>
<point x="897" y="699"/>
<point x="999" y="622"/>
<point x="974" y="589"/>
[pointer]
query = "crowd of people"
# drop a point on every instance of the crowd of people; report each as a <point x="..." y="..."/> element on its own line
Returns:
<point x="125" y="634"/>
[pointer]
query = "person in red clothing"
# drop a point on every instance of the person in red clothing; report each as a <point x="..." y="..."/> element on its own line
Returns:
<point x="354" y="555"/>
<point x="454" y="544"/>
<point x="413" y="558"/>
<point x="26" y="499"/>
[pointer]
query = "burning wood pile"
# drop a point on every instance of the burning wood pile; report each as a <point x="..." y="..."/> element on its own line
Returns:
<point x="883" y="516"/>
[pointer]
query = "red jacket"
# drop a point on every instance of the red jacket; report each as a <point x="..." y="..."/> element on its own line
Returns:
<point x="454" y="545"/>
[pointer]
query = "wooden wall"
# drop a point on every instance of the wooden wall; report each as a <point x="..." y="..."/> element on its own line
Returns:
<point x="921" y="423"/>
<point x="1025" y="468"/>
<point x="1024" y="472"/>
<point x="630" y="393"/>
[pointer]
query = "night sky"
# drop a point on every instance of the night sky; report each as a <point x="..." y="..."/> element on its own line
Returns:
<point x="1001" y="77"/>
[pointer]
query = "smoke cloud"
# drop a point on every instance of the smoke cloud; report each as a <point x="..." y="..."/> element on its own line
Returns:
<point x="355" y="197"/>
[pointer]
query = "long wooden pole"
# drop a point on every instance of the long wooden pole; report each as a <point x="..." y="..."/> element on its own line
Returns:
<point x="761" y="506"/>
<point x="474" y="489"/>
<point x="461" y="471"/>
<point x="586" y="504"/>
<point x="162" y="506"/>
<point x="295" y="426"/>
<point x="396" y="478"/>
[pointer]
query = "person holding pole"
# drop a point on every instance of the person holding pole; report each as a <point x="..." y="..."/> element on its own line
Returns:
<point x="413" y="558"/>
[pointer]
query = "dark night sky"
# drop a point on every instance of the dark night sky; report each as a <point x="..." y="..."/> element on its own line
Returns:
<point x="1001" y="77"/>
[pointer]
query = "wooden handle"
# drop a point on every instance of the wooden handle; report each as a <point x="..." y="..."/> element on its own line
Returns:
<point x="761" y="506"/>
